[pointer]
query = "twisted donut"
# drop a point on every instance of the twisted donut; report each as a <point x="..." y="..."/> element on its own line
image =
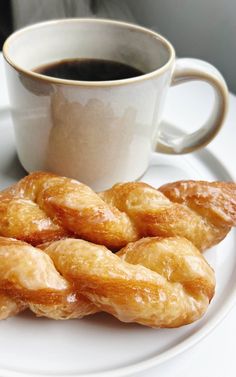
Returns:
<point x="155" y="281"/>
<point x="53" y="207"/>
<point x="203" y="212"/>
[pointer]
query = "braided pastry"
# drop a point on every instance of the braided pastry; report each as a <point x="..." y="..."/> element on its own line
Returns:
<point x="53" y="207"/>
<point x="155" y="281"/>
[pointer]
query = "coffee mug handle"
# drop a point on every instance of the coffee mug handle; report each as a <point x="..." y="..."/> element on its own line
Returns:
<point x="189" y="70"/>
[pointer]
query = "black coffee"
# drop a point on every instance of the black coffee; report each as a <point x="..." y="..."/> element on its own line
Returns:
<point x="89" y="70"/>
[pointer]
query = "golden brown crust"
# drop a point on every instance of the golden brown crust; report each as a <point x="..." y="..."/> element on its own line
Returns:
<point x="21" y="218"/>
<point x="28" y="275"/>
<point x="74" y="306"/>
<point x="215" y="201"/>
<point x="154" y="281"/>
<point x="144" y="283"/>
<point x="10" y="307"/>
<point x="53" y="207"/>
<point x="202" y="212"/>
<point x="176" y="259"/>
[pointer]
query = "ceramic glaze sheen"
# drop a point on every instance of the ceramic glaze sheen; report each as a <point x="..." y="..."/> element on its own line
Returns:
<point x="99" y="132"/>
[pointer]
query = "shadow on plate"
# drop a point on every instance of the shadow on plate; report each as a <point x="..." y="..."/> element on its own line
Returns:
<point x="100" y="320"/>
<point x="13" y="170"/>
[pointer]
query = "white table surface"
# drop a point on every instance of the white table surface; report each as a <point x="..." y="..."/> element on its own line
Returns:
<point x="187" y="106"/>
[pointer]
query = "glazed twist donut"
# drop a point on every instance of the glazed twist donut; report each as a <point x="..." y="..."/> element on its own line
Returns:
<point x="155" y="281"/>
<point x="53" y="207"/>
<point x="203" y="212"/>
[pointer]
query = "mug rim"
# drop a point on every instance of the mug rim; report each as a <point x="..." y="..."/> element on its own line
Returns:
<point x="55" y="80"/>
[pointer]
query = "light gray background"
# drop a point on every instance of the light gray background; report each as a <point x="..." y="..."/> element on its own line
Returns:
<point x="204" y="29"/>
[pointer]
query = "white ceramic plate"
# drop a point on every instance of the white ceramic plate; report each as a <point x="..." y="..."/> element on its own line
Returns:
<point x="100" y="345"/>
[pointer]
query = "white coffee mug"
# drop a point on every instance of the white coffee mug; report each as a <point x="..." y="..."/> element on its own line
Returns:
<point x="99" y="132"/>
